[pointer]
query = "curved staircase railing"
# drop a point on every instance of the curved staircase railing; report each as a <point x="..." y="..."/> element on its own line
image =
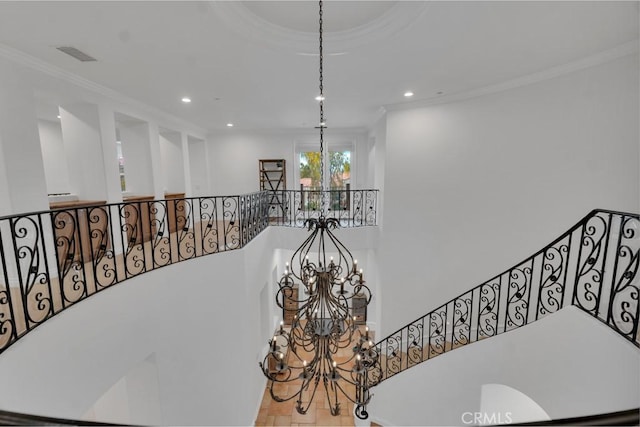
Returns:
<point x="51" y="260"/>
<point x="592" y="266"/>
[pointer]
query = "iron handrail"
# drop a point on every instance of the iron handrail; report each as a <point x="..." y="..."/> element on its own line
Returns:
<point x="630" y="417"/>
<point x="591" y="266"/>
<point x="8" y="418"/>
<point x="53" y="259"/>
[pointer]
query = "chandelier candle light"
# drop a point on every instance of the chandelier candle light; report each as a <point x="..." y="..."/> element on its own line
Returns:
<point x="320" y="283"/>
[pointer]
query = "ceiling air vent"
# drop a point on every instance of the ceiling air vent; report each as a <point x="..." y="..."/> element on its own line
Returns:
<point x="78" y="54"/>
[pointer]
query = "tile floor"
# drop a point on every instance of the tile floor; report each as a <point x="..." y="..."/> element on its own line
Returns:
<point x="284" y="413"/>
<point x="274" y="413"/>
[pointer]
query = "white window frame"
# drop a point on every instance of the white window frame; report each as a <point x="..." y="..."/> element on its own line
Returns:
<point x="342" y="145"/>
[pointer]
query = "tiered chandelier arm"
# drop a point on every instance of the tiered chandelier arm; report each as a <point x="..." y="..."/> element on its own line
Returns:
<point x="322" y="326"/>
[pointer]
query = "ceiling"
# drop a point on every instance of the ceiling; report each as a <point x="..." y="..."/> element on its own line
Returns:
<point x="255" y="64"/>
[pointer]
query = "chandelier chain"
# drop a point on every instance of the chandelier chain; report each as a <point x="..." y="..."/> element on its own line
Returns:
<point x="322" y="122"/>
<point x="323" y="343"/>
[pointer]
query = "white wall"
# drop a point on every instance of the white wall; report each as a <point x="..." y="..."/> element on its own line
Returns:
<point x="200" y="320"/>
<point x="136" y="149"/>
<point x="198" y="317"/>
<point x="473" y="187"/>
<point x="172" y="163"/>
<point x="53" y="156"/>
<point x="199" y="168"/>
<point x="23" y="187"/>
<point x="134" y="399"/>
<point x="568" y="363"/>
<point x="25" y="82"/>
<point x="83" y="148"/>
<point x="234" y="155"/>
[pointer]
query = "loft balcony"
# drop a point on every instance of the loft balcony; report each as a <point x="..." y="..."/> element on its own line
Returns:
<point x="55" y="259"/>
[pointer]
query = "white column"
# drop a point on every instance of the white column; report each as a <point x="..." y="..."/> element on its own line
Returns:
<point x="156" y="162"/>
<point x="56" y="171"/>
<point x="136" y="150"/>
<point x="184" y="141"/>
<point x="198" y="167"/>
<point x="110" y="154"/>
<point x="83" y="147"/>
<point x="172" y="158"/>
<point x="5" y="193"/>
<point x="23" y="186"/>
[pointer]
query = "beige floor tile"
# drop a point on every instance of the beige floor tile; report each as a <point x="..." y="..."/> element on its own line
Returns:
<point x="262" y="416"/>
<point x="346" y="421"/>
<point x="282" y="408"/>
<point x="285" y="413"/>
<point x="266" y="400"/>
<point x="282" y="420"/>
<point x="308" y="418"/>
<point x="324" y="418"/>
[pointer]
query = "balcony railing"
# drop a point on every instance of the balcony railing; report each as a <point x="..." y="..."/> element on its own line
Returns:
<point x="54" y="259"/>
<point x="353" y="208"/>
<point x="592" y="266"/>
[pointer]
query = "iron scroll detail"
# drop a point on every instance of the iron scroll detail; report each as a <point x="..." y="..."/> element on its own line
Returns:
<point x="593" y="266"/>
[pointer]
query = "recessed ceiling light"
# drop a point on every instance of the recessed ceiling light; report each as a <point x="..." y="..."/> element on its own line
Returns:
<point x="408" y="94"/>
<point x="320" y="98"/>
<point x="58" y="116"/>
<point x="229" y="125"/>
<point x="186" y="100"/>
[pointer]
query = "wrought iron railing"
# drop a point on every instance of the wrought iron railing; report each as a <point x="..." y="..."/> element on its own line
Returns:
<point x="630" y="417"/>
<point x="51" y="260"/>
<point x="349" y="207"/>
<point x="592" y="266"/>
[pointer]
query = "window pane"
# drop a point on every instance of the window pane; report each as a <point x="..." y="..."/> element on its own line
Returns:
<point x="339" y="169"/>
<point x="123" y="185"/>
<point x="310" y="170"/>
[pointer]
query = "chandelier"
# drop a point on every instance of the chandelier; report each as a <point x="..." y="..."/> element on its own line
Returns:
<point x="324" y="351"/>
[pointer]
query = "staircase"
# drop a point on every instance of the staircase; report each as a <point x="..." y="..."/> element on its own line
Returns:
<point x="592" y="266"/>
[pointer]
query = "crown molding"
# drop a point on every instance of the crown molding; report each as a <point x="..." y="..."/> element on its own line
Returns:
<point x="603" y="57"/>
<point x="247" y="24"/>
<point x="51" y="70"/>
<point x="329" y="132"/>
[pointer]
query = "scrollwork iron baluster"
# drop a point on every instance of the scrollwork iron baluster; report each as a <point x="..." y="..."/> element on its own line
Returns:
<point x="230" y="215"/>
<point x="624" y="308"/>
<point x="160" y="233"/>
<point x="370" y="207"/>
<point x="518" y="295"/>
<point x="102" y="253"/>
<point x="415" y="340"/>
<point x="71" y="274"/>
<point x="592" y="259"/>
<point x="553" y="276"/>
<point x="358" y="208"/>
<point x="489" y="308"/>
<point x="393" y="354"/>
<point x="184" y="229"/>
<point x="437" y="331"/>
<point x="8" y="329"/>
<point x="133" y="241"/>
<point x="462" y="312"/>
<point x="33" y="270"/>
<point x="210" y="237"/>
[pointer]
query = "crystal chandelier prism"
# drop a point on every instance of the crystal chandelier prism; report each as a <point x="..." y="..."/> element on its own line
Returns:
<point x="324" y="353"/>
